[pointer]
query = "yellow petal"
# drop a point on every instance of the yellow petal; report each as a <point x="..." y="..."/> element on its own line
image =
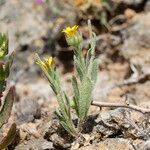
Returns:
<point x="48" y="61"/>
<point x="70" y="31"/>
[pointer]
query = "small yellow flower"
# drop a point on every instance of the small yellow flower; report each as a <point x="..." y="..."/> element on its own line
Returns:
<point x="46" y="63"/>
<point x="70" y="31"/>
<point x="73" y="37"/>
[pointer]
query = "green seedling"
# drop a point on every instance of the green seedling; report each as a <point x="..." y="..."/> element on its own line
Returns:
<point x="83" y="83"/>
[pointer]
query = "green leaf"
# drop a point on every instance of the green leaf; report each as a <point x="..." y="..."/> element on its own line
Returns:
<point x="7" y="140"/>
<point x="85" y="97"/>
<point x="53" y="88"/>
<point x="66" y="123"/>
<point x="56" y="76"/>
<point x="94" y="71"/>
<point x="76" y="93"/>
<point x="67" y="102"/>
<point x="64" y="105"/>
<point x="2" y="72"/>
<point x="68" y="128"/>
<point x="79" y="67"/>
<point x="7" y="106"/>
<point x="75" y="87"/>
<point x="3" y="45"/>
<point x="72" y="103"/>
<point x="2" y="85"/>
<point x="88" y="56"/>
<point x="59" y="114"/>
<point x="61" y="103"/>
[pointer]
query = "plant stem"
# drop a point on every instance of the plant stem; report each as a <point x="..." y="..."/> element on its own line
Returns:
<point x="79" y="126"/>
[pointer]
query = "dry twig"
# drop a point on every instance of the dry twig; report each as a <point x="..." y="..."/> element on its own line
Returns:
<point x="123" y="105"/>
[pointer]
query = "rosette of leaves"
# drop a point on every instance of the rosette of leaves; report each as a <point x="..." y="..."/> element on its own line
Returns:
<point x="6" y="101"/>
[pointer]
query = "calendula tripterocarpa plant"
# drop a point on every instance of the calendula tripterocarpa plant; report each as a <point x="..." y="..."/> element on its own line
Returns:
<point x="7" y="101"/>
<point x="86" y="68"/>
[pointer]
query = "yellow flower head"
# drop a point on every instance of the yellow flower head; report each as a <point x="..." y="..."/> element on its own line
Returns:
<point x="70" y="31"/>
<point x="46" y="63"/>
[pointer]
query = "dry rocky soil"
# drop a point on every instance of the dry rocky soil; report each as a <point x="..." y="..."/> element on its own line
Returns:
<point x="123" y="53"/>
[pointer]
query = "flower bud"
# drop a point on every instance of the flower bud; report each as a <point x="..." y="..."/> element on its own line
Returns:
<point x="74" y="40"/>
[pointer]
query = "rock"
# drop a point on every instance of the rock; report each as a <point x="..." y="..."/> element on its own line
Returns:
<point x="111" y="144"/>
<point x="129" y="2"/>
<point x="20" y="20"/>
<point x="119" y="122"/>
<point x="29" y="25"/>
<point x="142" y="145"/>
<point x="109" y="123"/>
<point x="30" y="129"/>
<point x="36" y="144"/>
<point x="129" y="13"/>
<point x="27" y="111"/>
<point x="55" y="133"/>
<point x="136" y="47"/>
<point x="147" y="7"/>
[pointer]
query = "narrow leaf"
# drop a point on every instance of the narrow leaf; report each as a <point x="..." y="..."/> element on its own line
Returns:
<point x="94" y="72"/>
<point x="62" y="105"/>
<point x="76" y="93"/>
<point x="79" y="68"/>
<point x="68" y="128"/>
<point x="67" y="101"/>
<point x="9" y="137"/>
<point x="7" y="106"/>
<point x="88" y="56"/>
<point x="59" y="115"/>
<point x="85" y="97"/>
